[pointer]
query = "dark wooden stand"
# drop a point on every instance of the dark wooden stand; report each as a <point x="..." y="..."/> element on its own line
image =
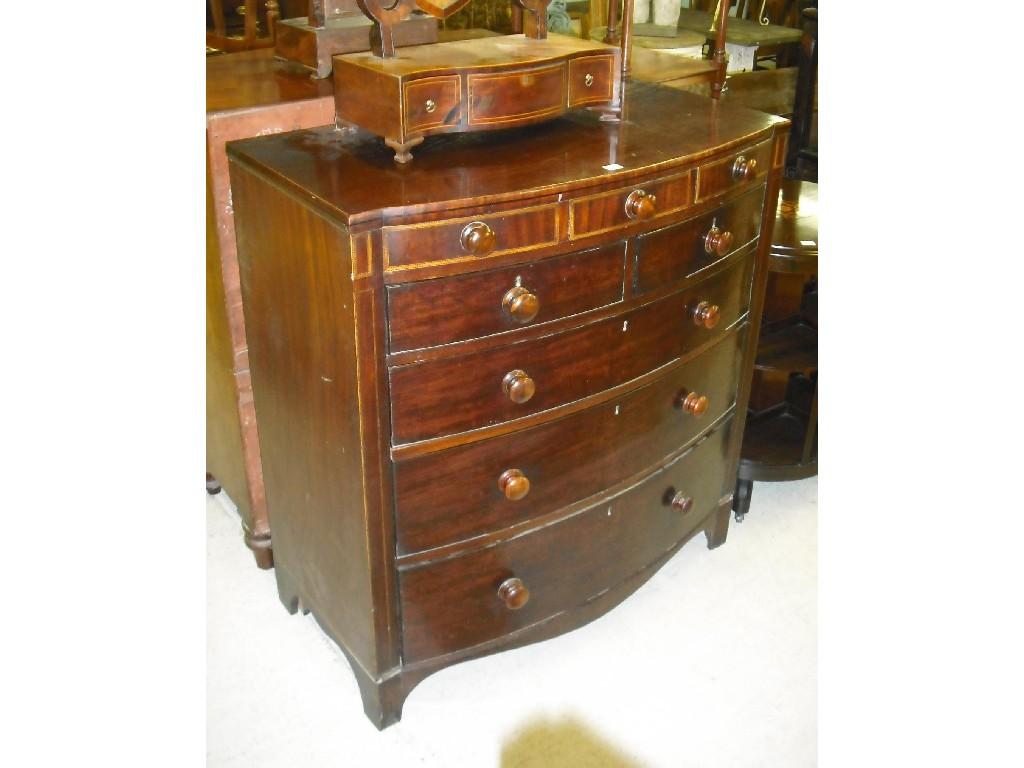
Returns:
<point x="338" y="26"/>
<point x="780" y="441"/>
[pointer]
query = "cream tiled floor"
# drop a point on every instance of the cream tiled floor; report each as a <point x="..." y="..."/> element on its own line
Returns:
<point x="711" y="663"/>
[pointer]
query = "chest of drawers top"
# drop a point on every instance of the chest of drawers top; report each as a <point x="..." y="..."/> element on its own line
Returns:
<point x="351" y="176"/>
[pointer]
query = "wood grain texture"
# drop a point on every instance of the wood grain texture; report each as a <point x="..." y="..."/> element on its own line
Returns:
<point x="247" y="94"/>
<point x="453" y="395"/>
<point x="442" y="311"/>
<point x="305" y="384"/>
<point x="403" y="560"/>
<point x="722" y="175"/>
<point x="452" y="495"/>
<point x="673" y="253"/>
<point x="454" y="604"/>
<point x="351" y="174"/>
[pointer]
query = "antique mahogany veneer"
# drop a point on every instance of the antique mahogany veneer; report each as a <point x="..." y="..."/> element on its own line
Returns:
<point x="500" y="386"/>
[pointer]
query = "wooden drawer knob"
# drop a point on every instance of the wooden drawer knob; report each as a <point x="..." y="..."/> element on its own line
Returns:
<point x="514" y="484"/>
<point x="706" y="314"/>
<point x="640" y="205"/>
<point x="744" y="169"/>
<point x="695" y="404"/>
<point x="518" y="386"/>
<point x="521" y="304"/>
<point x="513" y="593"/>
<point x="682" y="503"/>
<point x="718" y="242"/>
<point x="477" y="238"/>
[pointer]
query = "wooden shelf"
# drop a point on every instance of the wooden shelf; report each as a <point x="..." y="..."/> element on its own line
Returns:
<point x="792" y="347"/>
<point x="773" y="446"/>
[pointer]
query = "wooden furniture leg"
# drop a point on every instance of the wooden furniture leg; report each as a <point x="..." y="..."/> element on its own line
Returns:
<point x="741" y="499"/>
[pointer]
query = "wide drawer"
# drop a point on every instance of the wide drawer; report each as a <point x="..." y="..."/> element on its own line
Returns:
<point x="452" y="495"/>
<point x="469" y="238"/>
<point x="455" y="604"/>
<point x="465" y="392"/>
<point x="506" y="98"/>
<point x="670" y="254"/>
<point x="746" y="167"/>
<point x="446" y="310"/>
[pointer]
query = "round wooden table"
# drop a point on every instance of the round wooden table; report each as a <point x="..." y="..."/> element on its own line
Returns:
<point x="780" y="441"/>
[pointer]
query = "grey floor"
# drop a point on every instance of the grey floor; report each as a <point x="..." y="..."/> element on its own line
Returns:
<point x="711" y="663"/>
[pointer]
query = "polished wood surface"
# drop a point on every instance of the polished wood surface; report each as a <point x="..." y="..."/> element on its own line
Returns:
<point x="435" y="312"/>
<point x="247" y="94"/>
<point x="314" y="46"/>
<point x="483" y="83"/>
<point x="516" y="476"/>
<point x="563" y="367"/>
<point x="678" y="251"/>
<point x="570" y="152"/>
<point x="451" y="605"/>
<point x="449" y="496"/>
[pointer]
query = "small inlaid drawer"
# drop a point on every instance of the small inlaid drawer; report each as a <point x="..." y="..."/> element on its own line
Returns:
<point x="469" y="238"/>
<point x="516" y="95"/>
<point x="591" y="79"/>
<point x="431" y="102"/>
<point x="446" y="310"/>
<point x="456" y="494"/>
<point x="486" y="594"/>
<point x="467" y="392"/>
<point x="743" y="168"/>
<point x="630" y="205"/>
<point x="671" y="254"/>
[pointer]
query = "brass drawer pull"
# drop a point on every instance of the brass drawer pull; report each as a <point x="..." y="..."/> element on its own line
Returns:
<point x="513" y="593"/>
<point x="706" y="314"/>
<point x="477" y="238"/>
<point x="682" y="503"/>
<point x="694" y="404"/>
<point x="717" y="242"/>
<point x="514" y="484"/>
<point x="744" y="169"/>
<point x="431" y="105"/>
<point x="588" y="80"/>
<point x="640" y="205"/>
<point x="521" y="304"/>
<point x="518" y="386"/>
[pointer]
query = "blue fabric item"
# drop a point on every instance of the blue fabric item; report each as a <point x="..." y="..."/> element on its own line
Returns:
<point x="558" y="17"/>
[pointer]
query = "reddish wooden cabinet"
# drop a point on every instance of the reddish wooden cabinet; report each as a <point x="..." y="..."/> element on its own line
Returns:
<point x="499" y="386"/>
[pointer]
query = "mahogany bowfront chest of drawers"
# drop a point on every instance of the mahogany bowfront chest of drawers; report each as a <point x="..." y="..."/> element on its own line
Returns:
<point x="499" y="386"/>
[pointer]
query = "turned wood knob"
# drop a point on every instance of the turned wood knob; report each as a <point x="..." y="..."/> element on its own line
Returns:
<point x="717" y="242"/>
<point x="518" y="386"/>
<point x="706" y="314"/>
<point x="744" y="169"/>
<point x="477" y="238"/>
<point x="513" y="593"/>
<point x="514" y="484"/>
<point x="640" y="205"/>
<point x="695" y="404"/>
<point x="682" y="502"/>
<point x="521" y="304"/>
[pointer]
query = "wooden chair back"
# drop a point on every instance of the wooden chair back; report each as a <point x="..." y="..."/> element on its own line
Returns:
<point x="251" y="38"/>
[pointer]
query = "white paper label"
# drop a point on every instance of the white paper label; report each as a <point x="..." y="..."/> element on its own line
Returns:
<point x="613" y="167"/>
